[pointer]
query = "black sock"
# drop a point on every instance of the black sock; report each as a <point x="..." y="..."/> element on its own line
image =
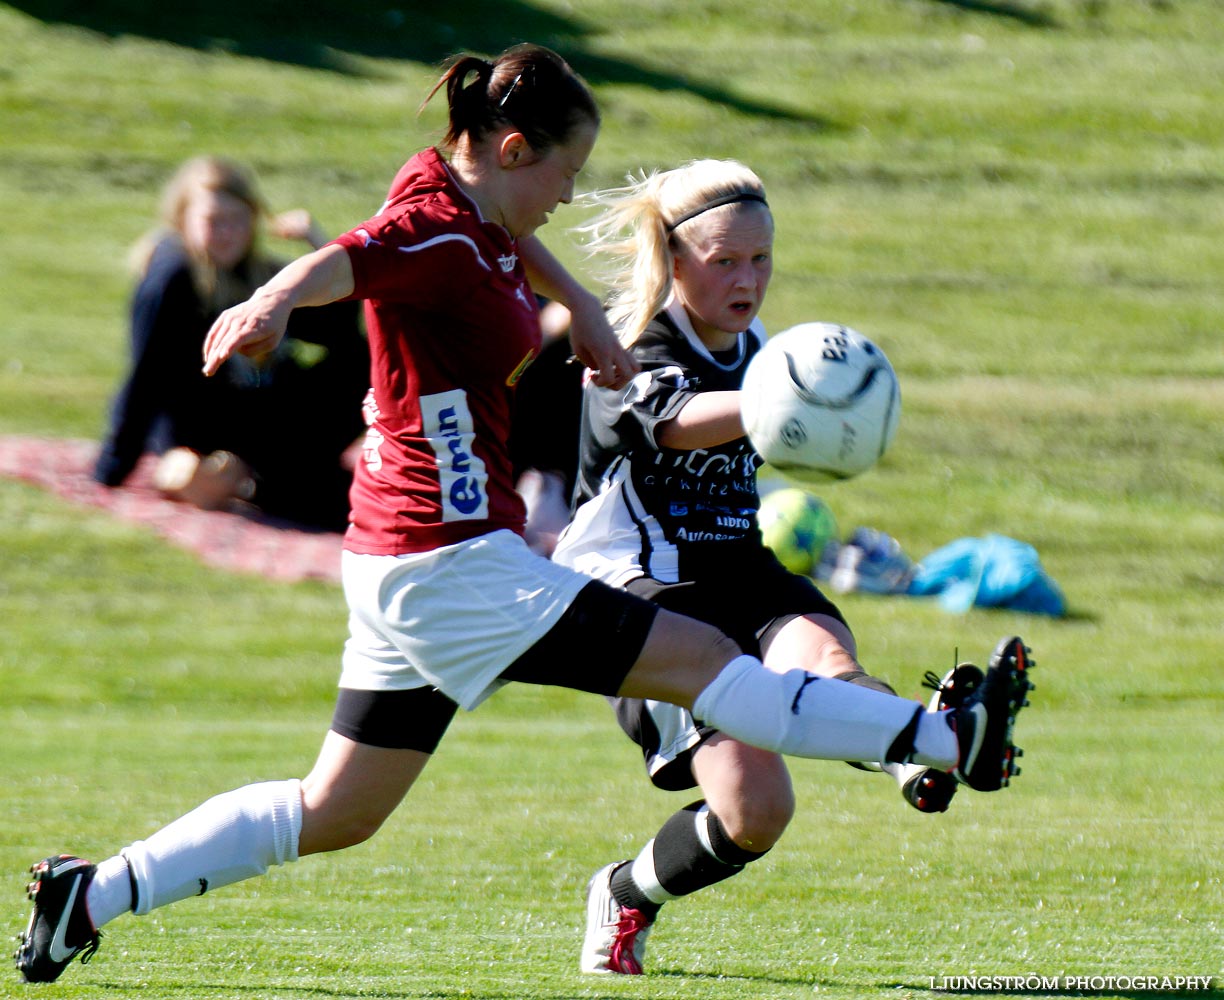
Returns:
<point x="681" y="862"/>
<point x="626" y="892"/>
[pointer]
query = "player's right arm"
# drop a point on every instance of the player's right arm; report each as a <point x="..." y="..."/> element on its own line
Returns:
<point x="256" y="326"/>
<point x="708" y="419"/>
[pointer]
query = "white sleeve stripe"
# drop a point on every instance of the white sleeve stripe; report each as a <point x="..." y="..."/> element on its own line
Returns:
<point x="446" y="239"/>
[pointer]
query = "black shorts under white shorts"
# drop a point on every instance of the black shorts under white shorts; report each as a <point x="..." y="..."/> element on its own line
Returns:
<point x="417" y="719"/>
<point x="749" y="595"/>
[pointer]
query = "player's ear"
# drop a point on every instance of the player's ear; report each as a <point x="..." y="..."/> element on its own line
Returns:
<point x="514" y="150"/>
<point x="673" y="244"/>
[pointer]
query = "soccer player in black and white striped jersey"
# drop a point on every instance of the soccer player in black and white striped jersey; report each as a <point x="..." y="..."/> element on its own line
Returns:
<point x="667" y="508"/>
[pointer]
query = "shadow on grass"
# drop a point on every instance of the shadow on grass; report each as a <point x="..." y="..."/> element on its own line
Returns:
<point x="1031" y="15"/>
<point x="311" y="34"/>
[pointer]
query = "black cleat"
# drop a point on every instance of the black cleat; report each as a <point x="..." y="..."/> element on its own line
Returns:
<point x="60" y="928"/>
<point x="984" y="722"/>
<point x="929" y="789"/>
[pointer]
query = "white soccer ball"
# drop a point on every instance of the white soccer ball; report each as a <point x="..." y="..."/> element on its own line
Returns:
<point x="820" y="402"/>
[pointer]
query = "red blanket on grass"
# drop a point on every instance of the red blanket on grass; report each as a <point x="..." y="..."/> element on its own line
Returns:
<point x="240" y="539"/>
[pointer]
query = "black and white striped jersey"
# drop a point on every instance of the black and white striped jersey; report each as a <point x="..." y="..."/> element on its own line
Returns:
<point x="640" y="506"/>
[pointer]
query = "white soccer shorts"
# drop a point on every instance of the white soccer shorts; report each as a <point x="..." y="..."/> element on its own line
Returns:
<point x="453" y="618"/>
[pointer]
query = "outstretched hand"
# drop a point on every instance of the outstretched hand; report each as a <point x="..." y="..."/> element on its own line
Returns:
<point x="253" y="328"/>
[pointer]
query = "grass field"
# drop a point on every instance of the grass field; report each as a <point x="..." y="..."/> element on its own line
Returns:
<point x="1021" y="201"/>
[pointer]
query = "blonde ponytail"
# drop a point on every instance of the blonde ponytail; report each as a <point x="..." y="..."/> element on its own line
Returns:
<point x="636" y="233"/>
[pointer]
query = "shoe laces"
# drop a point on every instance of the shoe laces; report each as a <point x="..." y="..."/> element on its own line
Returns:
<point x="628" y="927"/>
<point x="88" y="951"/>
<point x="935" y="682"/>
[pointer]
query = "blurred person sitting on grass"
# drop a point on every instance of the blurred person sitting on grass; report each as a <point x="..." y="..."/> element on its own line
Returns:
<point x="272" y="431"/>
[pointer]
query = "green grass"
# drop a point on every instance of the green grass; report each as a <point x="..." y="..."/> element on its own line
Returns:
<point x="1021" y="201"/>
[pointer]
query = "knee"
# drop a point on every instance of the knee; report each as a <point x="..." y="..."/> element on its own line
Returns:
<point x="723" y="649"/>
<point x="757" y="819"/>
<point x="711" y="649"/>
<point x="320" y="835"/>
<point x="356" y="830"/>
<point x="681" y="657"/>
<point x="335" y="822"/>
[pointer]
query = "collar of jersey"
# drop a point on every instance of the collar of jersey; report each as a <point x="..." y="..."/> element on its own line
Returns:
<point x="457" y="193"/>
<point x="679" y="316"/>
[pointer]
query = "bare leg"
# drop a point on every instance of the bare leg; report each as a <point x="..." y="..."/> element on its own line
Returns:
<point x="680" y="658"/>
<point x="748" y="802"/>
<point x="819" y="644"/>
<point x="351" y="791"/>
<point x="749" y="790"/>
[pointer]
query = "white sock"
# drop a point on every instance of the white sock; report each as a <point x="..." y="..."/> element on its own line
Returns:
<point x="645" y="877"/>
<point x="935" y="743"/>
<point x="803" y="715"/>
<point x="231" y="837"/>
<point x="110" y="892"/>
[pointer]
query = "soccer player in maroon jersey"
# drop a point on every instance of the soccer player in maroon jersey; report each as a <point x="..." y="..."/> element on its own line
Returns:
<point x="447" y="603"/>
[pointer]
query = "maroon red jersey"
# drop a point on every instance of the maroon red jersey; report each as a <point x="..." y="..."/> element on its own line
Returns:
<point x="452" y="324"/>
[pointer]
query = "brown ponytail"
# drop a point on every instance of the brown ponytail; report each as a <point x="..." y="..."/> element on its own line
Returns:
<point x="528" y="87"/>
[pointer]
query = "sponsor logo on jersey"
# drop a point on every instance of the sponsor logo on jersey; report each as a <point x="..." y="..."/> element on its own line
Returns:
<point x="514" y="376"/>
<point x="447" y="424"/>
<point x="371" y="446"/>
<point x="508" y="262"/>
<point x="369" y="407"/>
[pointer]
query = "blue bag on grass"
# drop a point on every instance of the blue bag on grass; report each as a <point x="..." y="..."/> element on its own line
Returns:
<point x="990" y="572"/>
